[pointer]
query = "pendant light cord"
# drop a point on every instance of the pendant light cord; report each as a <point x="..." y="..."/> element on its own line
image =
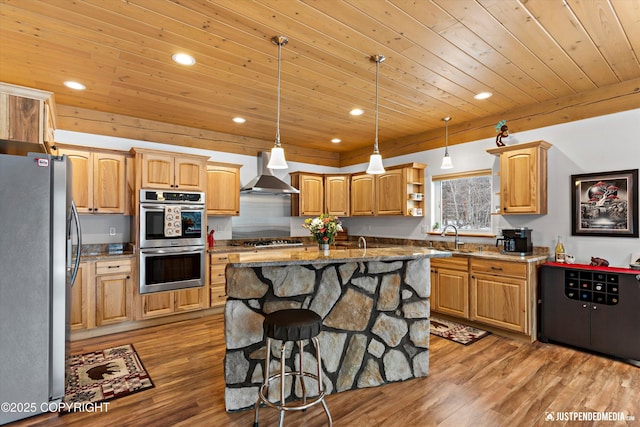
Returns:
<point x="378" y="59"/>
<point x="446" y="137"/>
<point x="375" y="143"/>
<point x="278" y="114"/>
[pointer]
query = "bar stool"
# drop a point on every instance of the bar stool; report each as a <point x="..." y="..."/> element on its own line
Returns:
<point x="291" y="325"/>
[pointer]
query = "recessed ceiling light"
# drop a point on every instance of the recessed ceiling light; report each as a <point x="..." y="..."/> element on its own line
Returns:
<point x="356" y="112"/>
<point x="239" y="119"/>
<point x="183" y="59"/>
<point x="483" y="95"/>
<point x="74" y="85"/>
<point x="336" y="140"/>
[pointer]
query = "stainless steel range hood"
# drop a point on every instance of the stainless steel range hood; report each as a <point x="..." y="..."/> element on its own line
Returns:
<point x="265" y="182"/>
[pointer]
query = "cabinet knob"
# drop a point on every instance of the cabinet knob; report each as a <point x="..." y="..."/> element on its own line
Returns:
<point x="584" y="305"/>
<point x="595" y="307"/>
<point x="128" y="277"/>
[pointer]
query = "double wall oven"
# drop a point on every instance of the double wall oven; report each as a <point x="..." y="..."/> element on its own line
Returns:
<point x="172" y="240"/>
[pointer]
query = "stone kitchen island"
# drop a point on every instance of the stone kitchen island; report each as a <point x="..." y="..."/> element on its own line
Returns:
<point x="375" y="309"/>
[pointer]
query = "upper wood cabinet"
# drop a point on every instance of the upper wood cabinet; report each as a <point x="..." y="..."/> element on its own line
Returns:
<point x="400" y="190"/>
<point x="389" y="195"/>
<point x="98" y="181"/>
<point x="310" y="201"/>
<point x="26" y="116"/>
<point x="163" y="170"/>
<point x="523" y="177"/>
<point x="337" y="194"/>
<point x="363" y="187"/>
<point x="223" y="189"/>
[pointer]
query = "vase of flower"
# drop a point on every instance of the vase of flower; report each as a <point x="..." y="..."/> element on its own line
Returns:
<point x="324" y="247"/>
<point x="324" y="229"/>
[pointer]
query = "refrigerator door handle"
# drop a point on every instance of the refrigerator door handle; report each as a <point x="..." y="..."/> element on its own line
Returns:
<point x="74" y="212"/>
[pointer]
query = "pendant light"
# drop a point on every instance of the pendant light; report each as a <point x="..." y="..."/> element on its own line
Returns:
<point x="277" y="160"/>
<point x="446" y="160"/>
<point x="375" y="161"/>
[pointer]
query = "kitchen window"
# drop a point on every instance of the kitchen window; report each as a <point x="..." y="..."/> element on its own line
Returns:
<point x="463" y="200"/>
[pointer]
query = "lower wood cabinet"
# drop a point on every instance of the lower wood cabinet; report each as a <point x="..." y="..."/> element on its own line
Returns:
<point x="79" y="312"/>
<point x="450" y="286"/>
<point x="102" y="294"/>
<point x="499" y="294"/>
<point x="217" y="281"/>
<point x="114" y="292"/>
<point x="173" y="302"/>
<point x="493" y="292"/>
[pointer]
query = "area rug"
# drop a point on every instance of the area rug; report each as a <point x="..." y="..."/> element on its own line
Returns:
<point x="456" y="332"/>
<point x="104" y="375"/>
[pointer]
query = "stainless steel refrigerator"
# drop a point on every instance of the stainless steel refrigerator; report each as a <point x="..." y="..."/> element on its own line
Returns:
<point x="36" y="272"/>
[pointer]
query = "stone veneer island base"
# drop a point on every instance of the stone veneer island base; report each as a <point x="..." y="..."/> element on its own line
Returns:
<point x="375" y="309"/>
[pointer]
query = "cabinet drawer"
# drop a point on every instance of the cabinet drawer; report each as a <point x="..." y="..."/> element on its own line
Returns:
<point x="218" y="296"/>
<point x="218" y="258"/>
<point x="503" y="268"/>
<point x="216" y="274"/>
<point x="453" y="263"/>
<point x="115" y="266"/>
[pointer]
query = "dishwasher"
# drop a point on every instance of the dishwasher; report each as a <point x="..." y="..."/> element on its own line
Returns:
<point x="594" y="308"/>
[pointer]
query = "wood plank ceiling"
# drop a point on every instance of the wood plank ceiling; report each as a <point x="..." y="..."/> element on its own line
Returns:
<point x="545" y="61"/>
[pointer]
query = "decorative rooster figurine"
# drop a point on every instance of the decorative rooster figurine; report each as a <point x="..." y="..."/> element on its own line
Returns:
<point x="503" y="132"/>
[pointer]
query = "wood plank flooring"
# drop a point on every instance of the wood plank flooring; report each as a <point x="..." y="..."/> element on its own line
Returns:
<point x="493" y="382"/>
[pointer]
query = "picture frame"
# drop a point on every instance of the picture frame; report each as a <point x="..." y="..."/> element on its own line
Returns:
<point x="605" y="204"/>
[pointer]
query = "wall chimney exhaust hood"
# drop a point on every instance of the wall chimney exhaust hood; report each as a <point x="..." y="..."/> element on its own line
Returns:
<point x="265" y="182"/>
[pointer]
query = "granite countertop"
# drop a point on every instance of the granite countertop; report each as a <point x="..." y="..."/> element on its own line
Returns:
<point x="534" y="258"/>
<point x="275" y="257"/>
<point x="101" y="251"/>
<point x="480" y="251"/>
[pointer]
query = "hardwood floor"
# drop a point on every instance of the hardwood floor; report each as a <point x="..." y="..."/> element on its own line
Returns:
<point x="493" y="382"/>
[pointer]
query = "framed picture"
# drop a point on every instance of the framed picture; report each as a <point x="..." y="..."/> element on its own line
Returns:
<point x="605" y="204"/>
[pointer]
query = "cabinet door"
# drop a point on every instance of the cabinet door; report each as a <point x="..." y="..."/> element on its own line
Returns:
<point x="109" y="183"/>
<point x="157" y="304"/>
<point x="79" y="314"/>
<point x="190" y="174"/>
<point x="82" y="178"/>
<point x="519" y="181"/>
<point x="451" y="292"/>
<point x="311" y="194"/>
<point x="157" y="171"/>
<point x="189" y="299"/>
<point x="336" y="195"/>
<point x="362" y="194"/>
<point x="113" y="304"/>
<point x="223" y="190"/>
<point x="498" y="301"/>
<point x="20" y="119"/>
<point x="390" y="195"/>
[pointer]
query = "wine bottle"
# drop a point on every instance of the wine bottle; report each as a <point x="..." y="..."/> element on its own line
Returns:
<point x="560" y="250"/>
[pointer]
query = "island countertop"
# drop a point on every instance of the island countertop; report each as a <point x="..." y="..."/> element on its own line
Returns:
<point x="336" y="255"/>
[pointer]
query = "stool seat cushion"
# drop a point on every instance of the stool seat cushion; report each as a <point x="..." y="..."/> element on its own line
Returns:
<point x="293" y="324"/>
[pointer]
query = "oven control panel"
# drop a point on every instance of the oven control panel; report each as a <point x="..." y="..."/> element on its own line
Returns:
<point x="171" y="196"/>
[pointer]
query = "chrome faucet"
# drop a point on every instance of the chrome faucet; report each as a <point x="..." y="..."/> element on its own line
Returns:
<point x="444" y="233"/>
<point x="364" y="242"/>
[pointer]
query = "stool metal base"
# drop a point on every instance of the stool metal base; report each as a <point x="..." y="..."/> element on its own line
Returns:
<point x="282" y="406"/>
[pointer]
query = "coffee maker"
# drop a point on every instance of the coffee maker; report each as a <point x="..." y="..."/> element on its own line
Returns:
<point x="516" y="241"/>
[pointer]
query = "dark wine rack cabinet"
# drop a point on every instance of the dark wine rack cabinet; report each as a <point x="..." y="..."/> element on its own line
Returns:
<point x="596" y="309"/>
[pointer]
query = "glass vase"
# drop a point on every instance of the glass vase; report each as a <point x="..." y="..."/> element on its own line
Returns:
<point x="324" y="248"/>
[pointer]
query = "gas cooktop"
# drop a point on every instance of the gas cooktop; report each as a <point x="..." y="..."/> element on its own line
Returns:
<point x="259" y="244"/>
